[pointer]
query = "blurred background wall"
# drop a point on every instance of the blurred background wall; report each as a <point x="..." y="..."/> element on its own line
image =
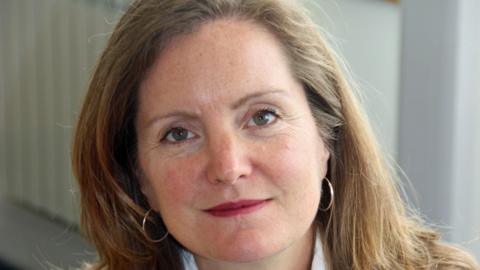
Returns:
<point x="416" y="65"/>
<point x="439" y="123"/>
<point x="47" y="51"/>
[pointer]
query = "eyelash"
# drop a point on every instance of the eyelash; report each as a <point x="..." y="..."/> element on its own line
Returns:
<point x="270" y="110"/>
<point x="170" y="131"/>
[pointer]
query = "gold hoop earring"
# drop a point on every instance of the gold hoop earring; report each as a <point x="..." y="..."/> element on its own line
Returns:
<point x="144" y="221"/>
<point x="330" y="202"/>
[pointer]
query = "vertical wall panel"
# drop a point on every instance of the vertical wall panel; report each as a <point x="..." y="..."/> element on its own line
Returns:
<point x="70" y="18"/>
<point x="66" y="86"/>
<point x="15" y="116"/>
<point x="54" y="94"/>
<point x="466" y="128"/>
<point x="3" y="142"/>
<point x="7" y="131"/>
<point x="50" y="41"/>
<point x="78" y="60"/>
<point x="47" y="52"/>
<point x="23" y="99"/>
<point x="39" y="102"/>
<point x="30" y="102"/>
<point x="45" y="110"/>
<point x="438" y="112"/>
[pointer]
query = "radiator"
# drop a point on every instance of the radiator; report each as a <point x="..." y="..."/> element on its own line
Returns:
<point x="47" y="51"/>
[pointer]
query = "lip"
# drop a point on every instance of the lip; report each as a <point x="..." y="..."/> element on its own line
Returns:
<point x="241" y="207"/>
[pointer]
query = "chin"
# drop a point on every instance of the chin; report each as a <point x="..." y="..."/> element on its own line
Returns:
<point x="245" y="248"/>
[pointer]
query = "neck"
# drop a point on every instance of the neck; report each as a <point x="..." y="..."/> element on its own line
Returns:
<point x="297" y="256"/>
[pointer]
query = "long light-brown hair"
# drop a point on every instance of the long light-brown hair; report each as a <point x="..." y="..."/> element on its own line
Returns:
<point x="368" y="226"/>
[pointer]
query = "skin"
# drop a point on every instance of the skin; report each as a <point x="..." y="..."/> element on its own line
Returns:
<point x="249" y="134"/>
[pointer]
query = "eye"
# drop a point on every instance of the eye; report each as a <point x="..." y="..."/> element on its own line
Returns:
<point x="263" y="117"/>
<point x="177" y="134"/>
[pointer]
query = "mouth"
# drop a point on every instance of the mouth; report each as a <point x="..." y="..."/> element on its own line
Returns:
<point x="242" y="207"/>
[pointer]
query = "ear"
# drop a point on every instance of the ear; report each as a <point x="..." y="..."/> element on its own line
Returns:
<point x="323" y="154"/>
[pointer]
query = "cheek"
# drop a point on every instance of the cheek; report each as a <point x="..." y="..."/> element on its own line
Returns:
<point x="295" y="167"/>
<point x="297" y="173"/>
<point x="173" y="185"/>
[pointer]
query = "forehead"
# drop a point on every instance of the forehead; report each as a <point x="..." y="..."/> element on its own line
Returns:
<point x="226" y="56"/>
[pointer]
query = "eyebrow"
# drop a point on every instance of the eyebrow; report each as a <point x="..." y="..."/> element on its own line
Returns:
<point x="246" y="98"/>
<point x="176" y="113"/>
<point x="235" y="105"/>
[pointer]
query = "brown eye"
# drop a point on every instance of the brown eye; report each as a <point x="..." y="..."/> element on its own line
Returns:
<point x="262" y="118"/>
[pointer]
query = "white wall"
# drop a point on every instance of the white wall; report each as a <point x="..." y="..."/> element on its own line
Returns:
<point x="440" y="113"/>
<point x="428" y="117"/>
<point x="466" y="179"/>
<point x="368" y="34"/>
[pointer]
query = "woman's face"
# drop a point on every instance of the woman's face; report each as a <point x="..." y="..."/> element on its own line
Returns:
<point x="227" y="145"/>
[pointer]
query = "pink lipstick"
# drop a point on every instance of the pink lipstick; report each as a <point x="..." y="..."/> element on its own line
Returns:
<point x="241" y="207"/>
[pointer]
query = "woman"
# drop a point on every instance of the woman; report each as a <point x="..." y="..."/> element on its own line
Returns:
<point x="221" y="134"/>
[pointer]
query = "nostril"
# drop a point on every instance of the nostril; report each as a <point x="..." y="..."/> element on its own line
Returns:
<point x="228" y="171"/>
<point x="227" y="160"/>
<point x="229" y="176"/>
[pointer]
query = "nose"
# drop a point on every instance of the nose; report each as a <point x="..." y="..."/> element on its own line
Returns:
<point x="228" y="161"/>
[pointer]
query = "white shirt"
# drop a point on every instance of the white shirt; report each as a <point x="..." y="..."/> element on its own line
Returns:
<point x="318" y="262"/>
